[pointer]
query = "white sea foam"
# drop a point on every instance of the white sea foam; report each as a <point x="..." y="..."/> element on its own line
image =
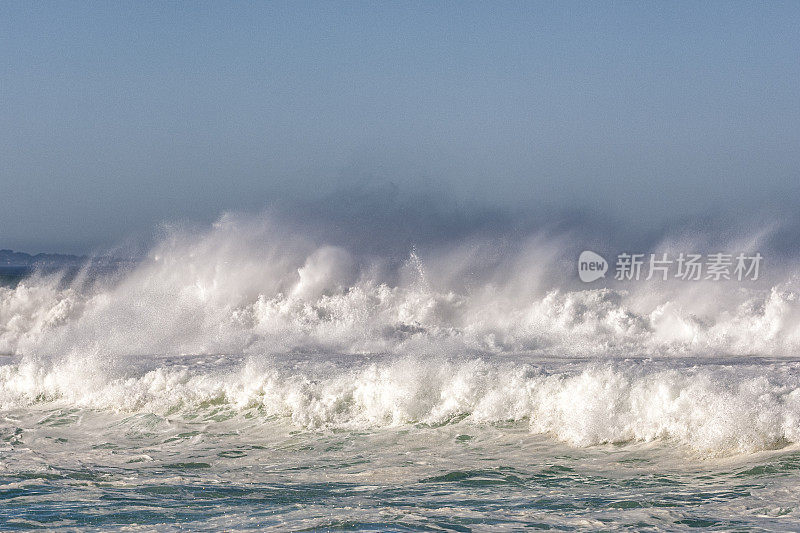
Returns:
<point x="716" y="409"/>
<point x="249" y="286"/>
<point x="461" y="334"/>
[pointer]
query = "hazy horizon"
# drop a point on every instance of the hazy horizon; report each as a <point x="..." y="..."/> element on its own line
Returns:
<point x="118" y="118"/>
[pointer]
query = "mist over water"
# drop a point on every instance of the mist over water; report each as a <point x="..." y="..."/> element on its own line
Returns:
<point x="264" y="342"/>
<point x="259" y="287"/>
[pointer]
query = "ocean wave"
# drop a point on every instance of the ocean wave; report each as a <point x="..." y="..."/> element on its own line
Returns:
<point x="252" y="287"/>
<point x="327" y="337"/>
<point x="714" y="409"/>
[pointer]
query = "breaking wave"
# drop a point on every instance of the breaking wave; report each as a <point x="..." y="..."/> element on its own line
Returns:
<point x="249" y="315"/>
<point x="249" y="286"/>
<point x="715" y="409"/>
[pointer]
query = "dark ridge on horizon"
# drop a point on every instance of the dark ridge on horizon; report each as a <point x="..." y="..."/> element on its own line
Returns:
<point x="22" y="264"/>
<point x="11" y="258"/>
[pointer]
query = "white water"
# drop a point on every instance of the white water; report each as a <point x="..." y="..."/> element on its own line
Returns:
<point x="458" y="334"/>
<point x="715" y="409"/>
<point x="250" y="286"/>
<point x="249" y="329"/>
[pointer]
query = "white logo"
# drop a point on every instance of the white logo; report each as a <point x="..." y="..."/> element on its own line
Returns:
<point x="591" y="266"/>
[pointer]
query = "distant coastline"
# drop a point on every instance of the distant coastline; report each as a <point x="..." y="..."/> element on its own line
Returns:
<point x="15" y="266"/>
<point x="12" y="259"/>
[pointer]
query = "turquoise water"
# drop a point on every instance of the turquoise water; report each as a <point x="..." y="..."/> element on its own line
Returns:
<point x="199" y="475"/>
<point x="221" y="464"/>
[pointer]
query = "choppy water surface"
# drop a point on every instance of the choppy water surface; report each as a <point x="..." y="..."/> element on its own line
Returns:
<point x="211" y="460"/>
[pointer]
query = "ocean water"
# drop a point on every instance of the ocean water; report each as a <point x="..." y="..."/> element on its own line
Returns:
<point x="249" y="377"/>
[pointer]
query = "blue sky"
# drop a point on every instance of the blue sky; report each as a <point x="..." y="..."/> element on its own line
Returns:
<point x="118" y="116"/>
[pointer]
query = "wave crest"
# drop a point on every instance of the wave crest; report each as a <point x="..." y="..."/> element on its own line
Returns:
<point x="718" y="409"/>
